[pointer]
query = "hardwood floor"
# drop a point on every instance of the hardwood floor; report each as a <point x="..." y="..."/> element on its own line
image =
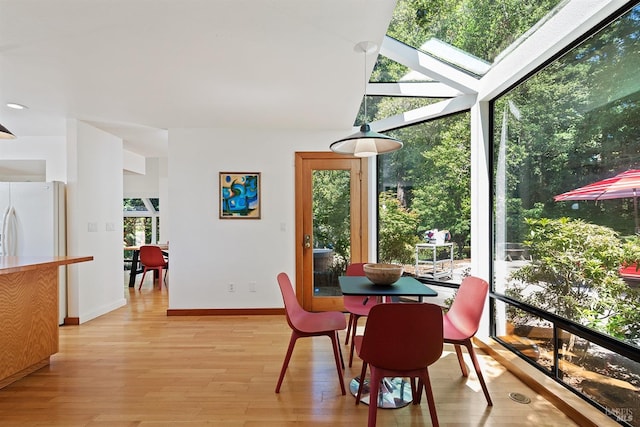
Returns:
<point x="138" y="367"/>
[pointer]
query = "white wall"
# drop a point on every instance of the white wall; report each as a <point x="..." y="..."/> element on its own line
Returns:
<point x="51" y="149"/>
<point x="143" y="185"/>
<point x="208" y="253"/>
<point x="94" y="220"/>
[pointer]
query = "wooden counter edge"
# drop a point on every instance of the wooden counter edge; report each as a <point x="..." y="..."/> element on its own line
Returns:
<point x="17" y="264"/>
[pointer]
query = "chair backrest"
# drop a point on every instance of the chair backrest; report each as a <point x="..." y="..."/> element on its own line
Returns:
<point x="355" y="269"/>
<point x="466" y="311"/>
<point x="292" y="307"/>
<point x="403" y="336"/>
<point x="151" y="256"/>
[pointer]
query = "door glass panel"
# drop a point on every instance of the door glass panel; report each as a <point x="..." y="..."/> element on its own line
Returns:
<point x="331" y="229"/>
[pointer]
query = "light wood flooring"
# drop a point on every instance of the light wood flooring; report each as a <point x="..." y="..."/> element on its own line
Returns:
<point x="137" y="367"/>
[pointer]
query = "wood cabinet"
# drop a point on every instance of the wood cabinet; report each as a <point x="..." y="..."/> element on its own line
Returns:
<point x="28" y="313"/>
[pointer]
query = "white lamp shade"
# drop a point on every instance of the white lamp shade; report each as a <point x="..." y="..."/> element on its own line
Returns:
<point x="366" y="143"/>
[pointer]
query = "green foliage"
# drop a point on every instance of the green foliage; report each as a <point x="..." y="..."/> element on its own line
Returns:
<point x="397" y="234"/>
<point x="431" y="174"/>
<point x="575" y="274"/>
<point x="443" y="200"/>
<point x="134" y="224"/>
<point x="579" y="124"/>
<point x="482" y="27"/>
<point x="331" y="211"/>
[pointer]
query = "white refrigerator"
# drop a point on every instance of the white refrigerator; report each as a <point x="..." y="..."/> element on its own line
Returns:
<point x="34" y="223"/>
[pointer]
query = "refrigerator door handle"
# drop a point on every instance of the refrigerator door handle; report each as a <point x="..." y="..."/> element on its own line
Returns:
<point x="9" y="232"/>
<point x="3" y="237"/>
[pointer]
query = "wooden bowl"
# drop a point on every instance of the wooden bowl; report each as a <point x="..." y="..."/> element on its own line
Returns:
<point x="383" y="274"/>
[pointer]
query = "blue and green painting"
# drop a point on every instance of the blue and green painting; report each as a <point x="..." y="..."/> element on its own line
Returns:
<point x="240" y="195"/>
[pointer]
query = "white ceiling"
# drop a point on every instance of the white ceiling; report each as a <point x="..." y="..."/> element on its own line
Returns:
<point x="138" y="67"/>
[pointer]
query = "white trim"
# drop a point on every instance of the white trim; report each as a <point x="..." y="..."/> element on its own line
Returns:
<point x="429" y="66"/>
<point x="427" y="89"/>
<point x="428" y="112"/>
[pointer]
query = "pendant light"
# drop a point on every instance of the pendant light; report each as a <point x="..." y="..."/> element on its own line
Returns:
<point x="365" y="143"/>
<point x="5" y="133"/>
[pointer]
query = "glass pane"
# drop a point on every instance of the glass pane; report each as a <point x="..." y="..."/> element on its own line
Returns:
<point x="482" y="28"/>
<point x="424" y="194"/>
<point x="133" y="205"/>
<point x="331" y="229"/>
<point x="137" y="230"/>
<point x="529" y="335"/>
<point x="563" y="248"/>
<point x="607" y="378"/>
<point x="381" y="107"/>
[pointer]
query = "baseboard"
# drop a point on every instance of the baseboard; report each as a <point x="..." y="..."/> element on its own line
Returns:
<point x="71" y="321"/>
<point x="225" y="311"/>
<point x="23" y="373"/>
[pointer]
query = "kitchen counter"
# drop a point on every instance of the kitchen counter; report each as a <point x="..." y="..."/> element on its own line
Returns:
<point x="29" y="313"/>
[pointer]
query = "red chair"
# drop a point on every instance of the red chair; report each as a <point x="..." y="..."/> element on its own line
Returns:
<point x="307" y="324"/>
<point x="400" y="340"/>
<point x="462" y="320"/>
<point x="356" y="306"/>
<point x="152" y="258"/>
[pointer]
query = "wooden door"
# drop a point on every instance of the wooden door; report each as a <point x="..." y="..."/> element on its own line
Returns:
<point x="331" y="224"/>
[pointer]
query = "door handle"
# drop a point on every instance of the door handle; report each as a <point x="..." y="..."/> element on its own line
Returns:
<point x="307" y="241"/>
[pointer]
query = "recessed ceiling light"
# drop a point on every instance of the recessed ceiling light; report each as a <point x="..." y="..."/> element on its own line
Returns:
<point x="16" y="106"/>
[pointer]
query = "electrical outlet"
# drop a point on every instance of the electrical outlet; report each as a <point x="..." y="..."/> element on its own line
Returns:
<point x="252" y="286"/>
<point x="232" y="287"/>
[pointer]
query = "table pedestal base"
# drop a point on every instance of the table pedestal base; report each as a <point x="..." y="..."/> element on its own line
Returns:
<point x="394" y="392"/>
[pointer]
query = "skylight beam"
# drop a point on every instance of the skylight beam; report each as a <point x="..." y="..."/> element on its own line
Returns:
<point x="429" y="66"/>
<point x="414" y="89"/>
<point x="428" y="112"/>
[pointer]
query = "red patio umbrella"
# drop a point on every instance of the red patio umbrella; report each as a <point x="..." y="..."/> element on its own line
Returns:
<point x="623" y="185"/>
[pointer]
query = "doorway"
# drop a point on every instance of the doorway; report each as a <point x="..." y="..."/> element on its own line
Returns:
<point x="331" y="224"/>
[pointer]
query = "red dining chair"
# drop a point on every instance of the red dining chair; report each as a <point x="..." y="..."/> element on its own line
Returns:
<point x="400" y="340"/>
<point x="152" y="258"/>
<point x="462" y="320"/>
<point x="357" y="306"/>
<point x="307" y="324"/>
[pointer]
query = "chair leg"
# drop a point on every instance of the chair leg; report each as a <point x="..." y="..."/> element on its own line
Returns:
<point x="476" y="366"/>
<point x="430" y="401"/>
<point x="363" y="373"/>
<point x="463" y="367"/>
<point x="374" y="388"/>
<point x="144" y="273"/>
<point x="292" y="343"/>
<point x="416" y="390"/>
<point x="353" y="335"/>
<point x="351" y="318"/>
<point x="337" y="354"/>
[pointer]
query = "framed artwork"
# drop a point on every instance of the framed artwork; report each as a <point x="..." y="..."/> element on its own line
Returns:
<point x="240" y="195"/>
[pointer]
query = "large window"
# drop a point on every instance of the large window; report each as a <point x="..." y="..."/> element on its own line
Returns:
<point x="565" y="257"/>
<point x="426" y="187"/>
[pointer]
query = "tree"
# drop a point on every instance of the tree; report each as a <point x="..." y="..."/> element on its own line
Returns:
<point x="575" y="274"/>
<point x="397" y="234"/>
<point x="331" y="207"/>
